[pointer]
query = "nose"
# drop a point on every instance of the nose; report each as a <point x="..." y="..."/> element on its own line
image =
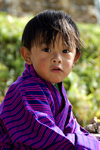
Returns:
<point x="56" y="58"/>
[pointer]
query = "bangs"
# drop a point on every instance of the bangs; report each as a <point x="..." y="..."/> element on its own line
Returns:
<point x="44" y="28"/>
<point x="69" y="37"/>
<point x="46" y="37"/>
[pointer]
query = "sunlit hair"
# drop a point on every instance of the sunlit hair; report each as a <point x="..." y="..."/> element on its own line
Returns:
<point x="44" y="27"/>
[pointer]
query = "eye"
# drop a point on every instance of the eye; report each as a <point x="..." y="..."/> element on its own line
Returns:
<point x="46" y="50"/>
<point x="65" y="51"/>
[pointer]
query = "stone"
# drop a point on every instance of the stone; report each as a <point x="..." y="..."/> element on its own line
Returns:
<point x="98" y="130"/>
<point x="90" y="128"/>
<point x="93" y="128"/>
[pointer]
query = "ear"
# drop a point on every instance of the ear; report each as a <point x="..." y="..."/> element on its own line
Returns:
<point x="76" y="58"/>
<point x="26" y="54"/>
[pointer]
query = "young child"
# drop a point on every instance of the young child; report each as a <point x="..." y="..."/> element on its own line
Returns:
<point x="36" y="113"/>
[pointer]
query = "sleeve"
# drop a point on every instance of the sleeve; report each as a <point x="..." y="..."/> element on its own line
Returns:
<point x="5" y="140"/>
<point x="30" y="124"/>
<point x="82" y="138"/>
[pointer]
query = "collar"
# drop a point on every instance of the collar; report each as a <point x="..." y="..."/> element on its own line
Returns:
<point x="30" y="72"/>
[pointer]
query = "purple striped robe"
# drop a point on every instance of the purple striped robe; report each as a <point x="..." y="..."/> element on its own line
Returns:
<point x="34" y="115"/>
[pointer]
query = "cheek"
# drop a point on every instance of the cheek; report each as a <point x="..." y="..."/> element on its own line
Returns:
<point x="68" y="63"/>
<point x="43" y="63"/>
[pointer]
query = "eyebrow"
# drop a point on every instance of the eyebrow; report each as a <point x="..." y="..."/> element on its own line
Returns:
<point x="42" y="42"/>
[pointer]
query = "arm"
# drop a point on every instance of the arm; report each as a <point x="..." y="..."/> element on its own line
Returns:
<point x="5" y="140"/>
<point x="30" y="124"/>
<point x="82" y="138"/>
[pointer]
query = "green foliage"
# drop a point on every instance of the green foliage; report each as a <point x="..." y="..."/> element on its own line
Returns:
<point x="83" y="83"/>
<point x="11" y="62"/>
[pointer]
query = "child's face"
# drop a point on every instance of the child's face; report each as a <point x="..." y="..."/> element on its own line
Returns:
<point x="53" y="64"/>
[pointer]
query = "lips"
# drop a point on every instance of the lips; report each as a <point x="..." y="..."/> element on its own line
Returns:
<point x="56" y="69"/>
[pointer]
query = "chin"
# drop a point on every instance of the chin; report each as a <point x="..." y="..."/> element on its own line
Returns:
<point x="56" y="82"/>
<point x="53" y="81"/>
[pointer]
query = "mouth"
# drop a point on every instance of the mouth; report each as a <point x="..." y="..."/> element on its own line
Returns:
<point x="57" y="69"/>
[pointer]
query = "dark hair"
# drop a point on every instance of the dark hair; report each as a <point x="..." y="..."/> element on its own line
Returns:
<point x="45" y="26"/>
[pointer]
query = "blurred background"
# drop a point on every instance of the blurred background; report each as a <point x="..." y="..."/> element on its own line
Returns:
<point x="81" y="11"/>
<point x="83" y="84"/>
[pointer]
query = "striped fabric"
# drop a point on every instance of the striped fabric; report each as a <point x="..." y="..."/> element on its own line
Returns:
<point x="34" y="115"/>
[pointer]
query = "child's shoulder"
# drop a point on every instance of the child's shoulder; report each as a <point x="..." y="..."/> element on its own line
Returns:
<point x="15" y="85"/>
<point x="37" y="86"/>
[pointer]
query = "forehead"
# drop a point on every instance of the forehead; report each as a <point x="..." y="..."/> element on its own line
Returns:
<point x="55" y="40"/>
